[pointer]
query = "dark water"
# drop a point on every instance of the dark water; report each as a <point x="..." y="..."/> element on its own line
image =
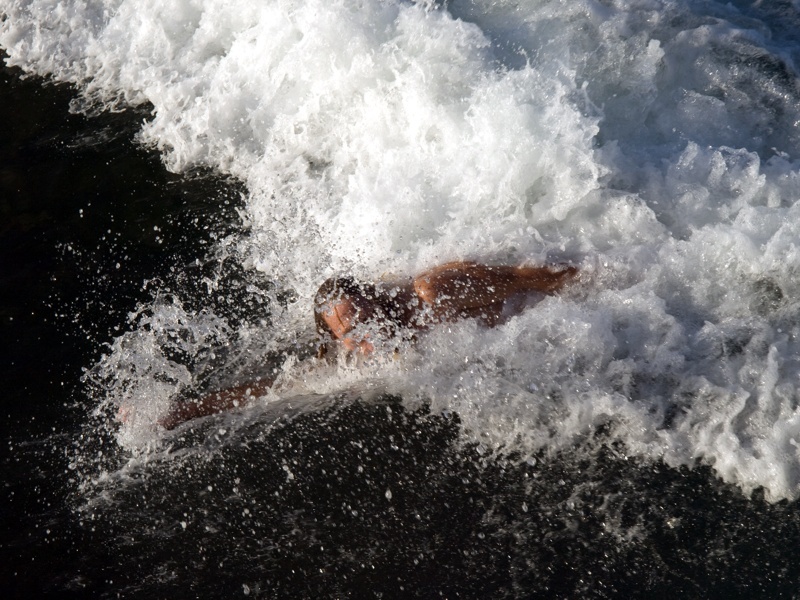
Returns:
<point x="358" y="498"/>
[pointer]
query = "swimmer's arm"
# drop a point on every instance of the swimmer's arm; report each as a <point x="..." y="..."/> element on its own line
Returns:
<point x="215" y="402"/>
<point x="463" y="286"/>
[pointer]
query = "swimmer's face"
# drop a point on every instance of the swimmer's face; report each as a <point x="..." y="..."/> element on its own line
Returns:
<point x="342" y="316"/>
<point x="363" y="347"/>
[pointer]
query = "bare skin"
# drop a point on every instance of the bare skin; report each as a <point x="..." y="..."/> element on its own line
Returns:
<point x="447" y="293"/>
<point x="215" y="402"/>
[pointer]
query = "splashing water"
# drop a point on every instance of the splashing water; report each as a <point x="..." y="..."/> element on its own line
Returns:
<point x="654" y="144"/>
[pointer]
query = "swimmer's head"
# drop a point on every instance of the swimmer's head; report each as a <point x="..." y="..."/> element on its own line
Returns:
<point x="340" y="305"/>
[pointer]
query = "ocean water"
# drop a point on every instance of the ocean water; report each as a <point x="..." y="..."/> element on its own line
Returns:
<point x="637" y="434"/>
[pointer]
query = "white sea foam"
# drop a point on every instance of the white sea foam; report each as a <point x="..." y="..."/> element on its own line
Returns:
<point x="654" y="143"/>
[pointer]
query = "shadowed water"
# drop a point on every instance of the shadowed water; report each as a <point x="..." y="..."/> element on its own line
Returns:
<point x="575" y="452"/>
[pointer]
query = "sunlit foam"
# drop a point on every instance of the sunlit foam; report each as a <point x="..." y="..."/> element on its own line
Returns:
<point x="653" y="146"/>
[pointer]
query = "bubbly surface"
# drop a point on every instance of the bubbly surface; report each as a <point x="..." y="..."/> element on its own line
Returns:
<point x="654" y="144"/>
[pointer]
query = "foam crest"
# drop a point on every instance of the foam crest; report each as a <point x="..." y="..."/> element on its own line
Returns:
<point x="389" y="119"/>
<point x="652" y="143"/>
